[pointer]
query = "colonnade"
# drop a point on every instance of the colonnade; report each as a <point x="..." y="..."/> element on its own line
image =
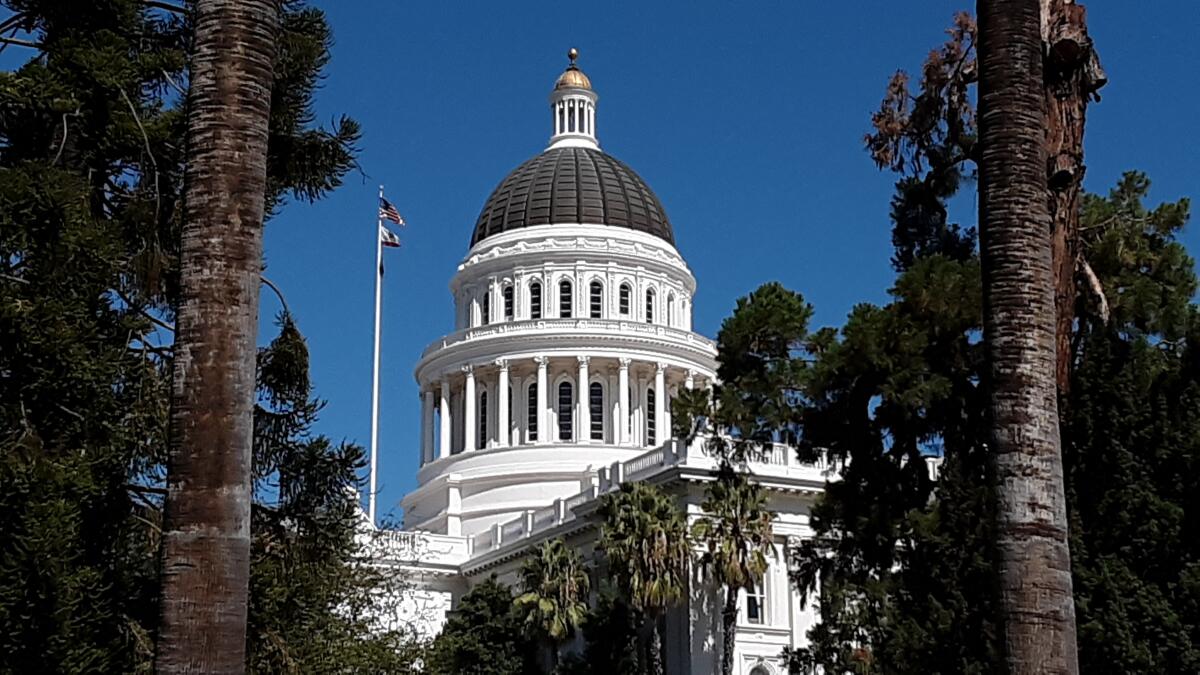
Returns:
<point x="543" y="400"/>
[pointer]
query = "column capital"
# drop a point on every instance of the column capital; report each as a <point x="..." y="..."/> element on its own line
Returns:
<point x="660" y="367"/>
<point x="541" y="361"/>
<point x="583" y="360"/>
<point x="502" y="364"/>
<point x="624" y="362"/>
<point x="469" y="369"/>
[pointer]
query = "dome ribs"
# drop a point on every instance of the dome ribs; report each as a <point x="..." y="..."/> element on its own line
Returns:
<point x="568" y="186"/>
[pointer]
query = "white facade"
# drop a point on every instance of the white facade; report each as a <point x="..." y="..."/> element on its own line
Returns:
<point x="555" y="387"/>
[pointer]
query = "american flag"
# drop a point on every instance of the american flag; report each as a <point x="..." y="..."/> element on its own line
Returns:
<point x="387" y="211"/>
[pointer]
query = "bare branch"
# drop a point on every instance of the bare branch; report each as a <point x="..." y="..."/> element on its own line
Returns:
<point x="278" y="293"/>
<point x="153" y="162"/>
<point x="1096" y="288"/>
<point x="21" y="43"/>
<point x="63" y="143"/>
<point x="153" y="319"/>
<point x="173" y="83"/>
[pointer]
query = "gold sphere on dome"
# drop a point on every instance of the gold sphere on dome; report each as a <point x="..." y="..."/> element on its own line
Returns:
<point x="573" y="77"/>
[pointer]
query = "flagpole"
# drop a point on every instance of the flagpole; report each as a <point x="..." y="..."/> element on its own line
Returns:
<point x="375" y="369"/>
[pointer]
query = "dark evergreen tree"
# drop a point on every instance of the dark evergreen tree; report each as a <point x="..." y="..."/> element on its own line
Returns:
<point x="484" y="635"/>
<point x="92" y="147"/>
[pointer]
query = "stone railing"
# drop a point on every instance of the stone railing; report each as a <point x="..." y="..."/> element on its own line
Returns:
<point x="616" y="327"/>
<point x="778" y="461"/>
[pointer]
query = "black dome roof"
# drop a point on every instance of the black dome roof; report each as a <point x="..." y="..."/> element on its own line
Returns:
<point x="573" y="185"/>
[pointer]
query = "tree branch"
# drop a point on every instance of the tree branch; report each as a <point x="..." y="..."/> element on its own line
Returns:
<point x="61" y="144"/>
<point x="278" y="293"/>
<point x="21" y="43"/>
<point x="153" y="161"/>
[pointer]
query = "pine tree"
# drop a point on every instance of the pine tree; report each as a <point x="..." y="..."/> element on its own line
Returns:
<point x="91" y="186"/>
<point x="484" y="635"/>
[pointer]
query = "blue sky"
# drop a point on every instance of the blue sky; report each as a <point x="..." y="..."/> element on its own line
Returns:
<point x="745" y="117"/>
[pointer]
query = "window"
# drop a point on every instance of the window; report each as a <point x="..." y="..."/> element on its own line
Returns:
<point x="596" y="300"/>
<point x="670" y="319"/>
<point x="565" y="399"/>
<point x="481" y="439"/>
<point x="624" y="299"/>
<point x="649" y="305"/>
<point x="535" y="300"/>
<point x="532" y="407"/>
<point x="596" y="410"/>
<point x="756" y="607"/>
<point x="508" y="303"/>
<point x="561" y="125"/>
<point x="512" y="437"/>
<point x="651" y="422"/>
<point x="486" y="308"/>
<point x="570" y="115"/>
<point x="564" y="299"/>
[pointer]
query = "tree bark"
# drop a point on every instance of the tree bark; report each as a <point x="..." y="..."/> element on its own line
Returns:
<point x="728" y="629"/>
<point x="206" y="542"/>
<point x="654" y="656"/>
<point x="1038" y="613"/>
<point x="1072" y="74"/>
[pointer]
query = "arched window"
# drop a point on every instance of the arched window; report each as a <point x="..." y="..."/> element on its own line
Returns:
<point x="623" y="299"/>
<point x="596" y="300"/>
<point x="508" y="303"/>
<point x="759" y="670"/>
<point x="649" y="305"/>
<point x="532" y="411"/>
<point x="570" y="115"/>
<point x="561" y="124"/>
<point x="535" y="300"/>
<point x="564" y="299"/>
<point x="565" y="404"/>
<point x="651" y="422"/>
<point x="596" y="410"/>
<point x="670" y="309"/>
<point x="481" y="438"/>
<point x="486" y="308"/>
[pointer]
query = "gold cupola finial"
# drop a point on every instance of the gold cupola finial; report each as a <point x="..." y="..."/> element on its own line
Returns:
<point x="573" y="77"/>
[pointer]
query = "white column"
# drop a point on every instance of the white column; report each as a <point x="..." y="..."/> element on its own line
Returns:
<point x="583" y="428"/>
<point x="445" y="409"/>
<point x="427" y="426"/>
<point x="469" y="410"/>
<point x="690" y="380"/>
<point x="542" y="411"/>
<point x="660" y="404"/>
<point x="623" y="412"/>
<point x="502" y="417"/>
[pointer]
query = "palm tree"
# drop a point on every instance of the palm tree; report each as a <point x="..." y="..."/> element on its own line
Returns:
<point x="644" y="536"/>
<point x="1019" y="330"/>
<point x="736" y="533"/>
<point x="554" y="603"/>
<point x="206" y="541"/>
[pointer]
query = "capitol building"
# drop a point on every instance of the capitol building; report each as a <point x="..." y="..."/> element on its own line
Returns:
<point x="573" y="330"/>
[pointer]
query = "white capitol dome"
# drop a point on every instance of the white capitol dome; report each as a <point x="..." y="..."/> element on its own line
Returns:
<point x="573" y="330"/>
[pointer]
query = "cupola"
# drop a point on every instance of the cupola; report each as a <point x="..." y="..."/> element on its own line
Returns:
<point x="573" y="108"/>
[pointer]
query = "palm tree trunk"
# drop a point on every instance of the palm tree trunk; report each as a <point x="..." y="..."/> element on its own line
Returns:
<point x="654" y="655"/>
<point x="206" y="542"/>
<point x="729" y="629"/>
<point x="1019" y="324"/>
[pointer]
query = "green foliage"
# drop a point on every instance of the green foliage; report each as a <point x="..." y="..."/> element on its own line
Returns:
<point x="483" y="636"/>
<point x="92" y="149"/>
<point x="610" y="633"/>
<point x="644" y="537"/>
<point x="555" y="585"/>
<point x="735" y="529"/>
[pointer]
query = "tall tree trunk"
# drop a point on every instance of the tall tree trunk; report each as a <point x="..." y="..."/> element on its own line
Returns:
<point x="654" y="655"/>
<point x="728" y="629"/>
<point x="206" y="546"/>
<point x="1072" y="74"/>
<point x="1037" y="608"/>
